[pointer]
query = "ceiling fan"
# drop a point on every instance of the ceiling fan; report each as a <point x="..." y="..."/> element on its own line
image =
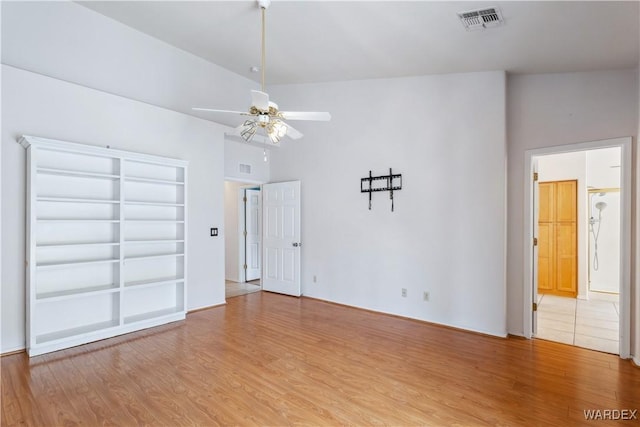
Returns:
<point x="264" y="113"/>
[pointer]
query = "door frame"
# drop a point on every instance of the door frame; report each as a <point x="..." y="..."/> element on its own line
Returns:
<point x="245" y="183"/>
<point x="625" y="143"/>
<point x="243" y="237"/>
<point x="242" y="224"/>
<point x="535" y="227"/>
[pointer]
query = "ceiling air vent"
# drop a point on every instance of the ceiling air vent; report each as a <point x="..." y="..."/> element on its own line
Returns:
<point x="481" y="18"/>
<point x="243" y="168"/>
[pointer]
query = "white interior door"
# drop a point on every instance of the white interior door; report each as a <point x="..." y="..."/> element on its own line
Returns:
<point x="281" y="237"/>
<point x="252" y="217"/>
<point x="534" y="261"/>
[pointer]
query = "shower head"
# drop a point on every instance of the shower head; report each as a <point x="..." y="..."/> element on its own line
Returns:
<point x="601" y="205"/>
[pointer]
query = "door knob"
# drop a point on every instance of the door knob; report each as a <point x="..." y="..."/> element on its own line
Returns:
<point x="295" y="245"/>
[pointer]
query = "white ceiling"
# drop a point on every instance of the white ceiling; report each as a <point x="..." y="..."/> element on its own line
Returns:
<point x="318" y="41"/>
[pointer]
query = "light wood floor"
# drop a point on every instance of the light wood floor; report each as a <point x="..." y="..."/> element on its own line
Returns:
<point x="267" y="359"/>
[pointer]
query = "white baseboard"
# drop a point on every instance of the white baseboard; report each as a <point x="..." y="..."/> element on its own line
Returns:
<point x="8" y="351"/>
<point x="205" y="307"/>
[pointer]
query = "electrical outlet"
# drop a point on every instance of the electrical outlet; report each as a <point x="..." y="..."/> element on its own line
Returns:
<point x="315" y="279"/>
<point x="425" y="296"/>
<point x="404" y="292"/>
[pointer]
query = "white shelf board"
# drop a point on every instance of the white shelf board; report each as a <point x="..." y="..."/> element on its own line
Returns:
<point x="140" y="257"/>
<point x="76" y="200"/>
<point x="73" y="263"/>
<point x="76" y="244"/>
<point x="173" y="221"/>
<point x="152" y="241"/>
<point x="79" y="174"/>
<point x="81" y="292"/>
<point x="152" y="315"/>
<point x="140" y="284"/>
<point x="143" y="203"/>
<point x="67" y="333"/>
<point x="152" y="180"/>
<point x="79" y="220"/>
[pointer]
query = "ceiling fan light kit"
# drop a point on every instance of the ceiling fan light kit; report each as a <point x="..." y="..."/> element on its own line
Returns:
<point x="263" y="113"/>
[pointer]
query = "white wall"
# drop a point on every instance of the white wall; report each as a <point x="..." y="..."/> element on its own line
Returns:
<point x="249" y="154"/>
<point x="446" y="136"/>
<point x="68" y="41"/>
<point x="569" y="166"/>
<point x="601" y="174"/>
<point x="37" y="105"/>
<point x="600" y="166"/>
<point x="546" y="110"/>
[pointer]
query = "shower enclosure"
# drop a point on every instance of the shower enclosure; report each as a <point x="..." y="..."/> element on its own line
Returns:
<point x="604" y="240"/>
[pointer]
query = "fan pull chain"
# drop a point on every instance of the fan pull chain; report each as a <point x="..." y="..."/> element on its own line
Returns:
<point x="264" y="149"/>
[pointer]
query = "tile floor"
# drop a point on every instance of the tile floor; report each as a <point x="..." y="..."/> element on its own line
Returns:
<point x="234" y="289"/>
<point x="591" y="324"/>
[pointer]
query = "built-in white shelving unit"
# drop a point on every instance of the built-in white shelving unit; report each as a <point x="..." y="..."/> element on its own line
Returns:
<point x="106" y="242"/>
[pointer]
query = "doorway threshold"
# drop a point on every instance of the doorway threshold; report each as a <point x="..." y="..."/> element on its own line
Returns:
<point x="234" y="289"/>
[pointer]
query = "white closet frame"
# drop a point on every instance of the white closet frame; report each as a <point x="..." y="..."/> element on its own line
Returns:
<point x="106" y="242"/>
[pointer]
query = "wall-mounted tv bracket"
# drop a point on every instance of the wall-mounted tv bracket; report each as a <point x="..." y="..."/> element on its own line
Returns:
<point x="388" y="183"/>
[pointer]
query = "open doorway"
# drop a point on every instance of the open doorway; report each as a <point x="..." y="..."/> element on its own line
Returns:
<point x="579" y="248"/>
<point x="243" y="234"/>
<point x="578" y="218"/>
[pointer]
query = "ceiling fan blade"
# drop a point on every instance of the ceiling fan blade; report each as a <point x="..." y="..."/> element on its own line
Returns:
<point x="306" y="115"/>
<point x="236" y="130"/>
<point x="292" y="132"/>
<point x="260" y="100"/>
<point x="244" y="113"/>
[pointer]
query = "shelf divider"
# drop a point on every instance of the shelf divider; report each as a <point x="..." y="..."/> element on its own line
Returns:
<point x="141" y="257"/>
<point x="78" y="220"/>
<point x="46" y="266"/>
<point x="66" y="333"/>
<point x="152" y="180"/>
<point x="152" y="241"/>
<point x="79" y="174"/>
<point x="145" y="203"/>
<point x="76" y="200"/>
<point x="139" y="284"/>
<point x="152" y="315"/>
<point x="60" y="295"/>
<point x="75" y="244"/>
